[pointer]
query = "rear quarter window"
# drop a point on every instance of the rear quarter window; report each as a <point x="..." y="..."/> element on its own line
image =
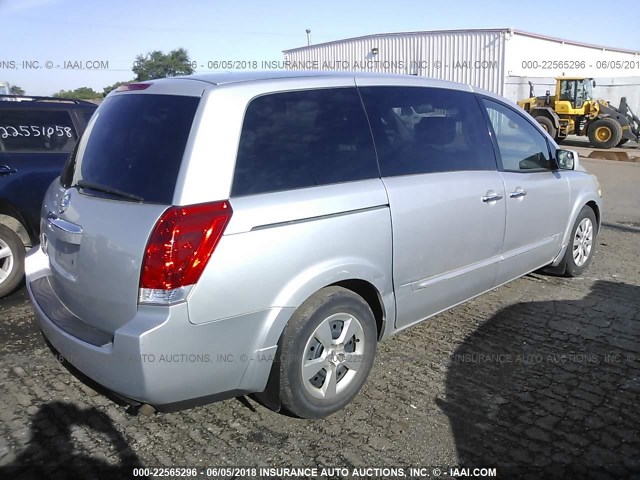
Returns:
<point x="33" y="130"/>
<point x="135" y="144"/>
<point x="303" y="139"/>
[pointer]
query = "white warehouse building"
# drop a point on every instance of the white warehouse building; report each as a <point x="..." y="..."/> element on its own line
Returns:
<point x="501" y="60"/>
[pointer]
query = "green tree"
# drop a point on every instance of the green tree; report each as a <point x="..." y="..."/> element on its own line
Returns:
<point x="82" y="93"/>
<point x="107" y="90"/>
<point x="160" y="65"/>
<point x="16" y="90"/>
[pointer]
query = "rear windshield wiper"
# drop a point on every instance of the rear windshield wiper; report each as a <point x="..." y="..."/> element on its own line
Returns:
<point x="111" y="191"/>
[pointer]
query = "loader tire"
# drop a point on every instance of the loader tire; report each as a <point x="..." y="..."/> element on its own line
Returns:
<point x="605" y="133"/>
<point x="547" y="124"/>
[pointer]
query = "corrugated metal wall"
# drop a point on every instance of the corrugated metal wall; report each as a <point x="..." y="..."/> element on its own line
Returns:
<point x="474" y="57"/>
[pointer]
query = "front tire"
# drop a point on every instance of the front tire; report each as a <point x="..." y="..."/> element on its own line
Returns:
<point x="326" y="353"/>
<point x="605" y="133"/>
<point x="11" y="261"/>
<point x="547" y="124"/>
<point x="582" y="243"/>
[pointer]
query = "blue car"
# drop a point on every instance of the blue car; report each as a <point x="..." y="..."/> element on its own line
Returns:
<point x="37" y="134"/>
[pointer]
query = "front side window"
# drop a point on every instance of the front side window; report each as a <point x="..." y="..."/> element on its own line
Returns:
<point x="303" y="139"/>
<point x="29" y="130"/>
<point x="426" y="130"/>
<point x="522" y="147"/>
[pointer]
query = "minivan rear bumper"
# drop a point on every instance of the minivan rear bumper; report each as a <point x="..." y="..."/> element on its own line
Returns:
<point x="159" y="357"/>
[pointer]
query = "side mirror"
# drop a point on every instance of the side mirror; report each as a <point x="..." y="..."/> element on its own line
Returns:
<point x="567" y="159"/>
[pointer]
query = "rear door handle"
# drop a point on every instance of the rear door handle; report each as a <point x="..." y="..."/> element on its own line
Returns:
<point x="69" y="232"/>
<point x="518" y="193"/>
<point x="491" y="196"/>
<point x="7" y="170"/>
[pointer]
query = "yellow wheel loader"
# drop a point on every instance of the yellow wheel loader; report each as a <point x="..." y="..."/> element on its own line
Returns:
<point x="574" y="111"/>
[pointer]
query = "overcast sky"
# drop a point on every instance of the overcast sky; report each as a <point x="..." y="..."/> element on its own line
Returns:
<point x="59" y="31"/>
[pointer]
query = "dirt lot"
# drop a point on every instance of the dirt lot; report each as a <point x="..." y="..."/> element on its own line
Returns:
<point x="544" y="371"/>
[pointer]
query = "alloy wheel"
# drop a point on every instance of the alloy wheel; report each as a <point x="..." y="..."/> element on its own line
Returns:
<point x="6" y="261"/>
<point x="582" y="242"/>
<point x="332" y="356"/>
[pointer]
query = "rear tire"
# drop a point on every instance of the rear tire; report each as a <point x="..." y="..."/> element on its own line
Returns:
<point x="581" y="243"/>
<point x="605" y="133"/>
<point x="11" y="261"/>
<point x="326" y="353"/>
<point x="547" y="124"/>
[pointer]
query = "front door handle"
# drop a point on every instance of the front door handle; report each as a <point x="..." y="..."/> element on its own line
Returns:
<point x="518" y="193"/>
<point x="7" y="170"/>
<point x="491" y="197"/>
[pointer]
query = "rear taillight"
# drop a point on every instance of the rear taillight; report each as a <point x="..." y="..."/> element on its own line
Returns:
<point x="179" y="248"/>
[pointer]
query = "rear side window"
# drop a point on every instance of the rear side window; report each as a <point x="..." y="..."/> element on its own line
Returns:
<point x="302" y="139"/>
<point x="522" y="146"/>
<point x="135" y="145"/>
<point x="427" y="130"/>
<point x="30" y="130"/>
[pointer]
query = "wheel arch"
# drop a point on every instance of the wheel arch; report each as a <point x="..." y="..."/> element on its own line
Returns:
<point x="12" y="219"/>
<point x="369" y="294"/>
<point x="370" y="280"/>
<point x="585" y="199"/>
<point x="381" y="303"/>
<point x="596" y="211"/>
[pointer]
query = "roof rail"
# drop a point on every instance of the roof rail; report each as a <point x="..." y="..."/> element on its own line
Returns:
<point x="22" y="98"/>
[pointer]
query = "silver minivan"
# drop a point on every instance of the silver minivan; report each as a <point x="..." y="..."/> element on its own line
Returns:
<point x="219" y="235"/>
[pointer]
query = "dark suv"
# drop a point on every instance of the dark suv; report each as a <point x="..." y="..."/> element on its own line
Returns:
<point x="36" y="136"/>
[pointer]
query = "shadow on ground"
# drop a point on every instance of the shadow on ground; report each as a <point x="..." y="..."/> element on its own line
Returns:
<point x="554" y="383"/>
<point x="70" y="442"/>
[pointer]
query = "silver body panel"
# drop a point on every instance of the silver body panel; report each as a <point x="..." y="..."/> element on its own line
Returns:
<point x="96" y="274"/>
<point x="535" y="222"/>
<point x="443" y="269"/>
<point x="424" y="242"/>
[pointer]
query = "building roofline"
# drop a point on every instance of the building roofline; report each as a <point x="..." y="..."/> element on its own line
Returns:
<point x="466" y="30"/>
<point x="394" y="34"/>
<point x="572" y="42"/>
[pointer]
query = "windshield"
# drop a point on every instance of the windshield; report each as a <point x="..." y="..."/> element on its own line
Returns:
<point x="134" y="145"/>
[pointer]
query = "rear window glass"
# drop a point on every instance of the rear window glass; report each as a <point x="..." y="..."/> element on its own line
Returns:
<point x="30" y="130"/>
<point x="135" y="145"/>
<point x="303" y="139"/>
